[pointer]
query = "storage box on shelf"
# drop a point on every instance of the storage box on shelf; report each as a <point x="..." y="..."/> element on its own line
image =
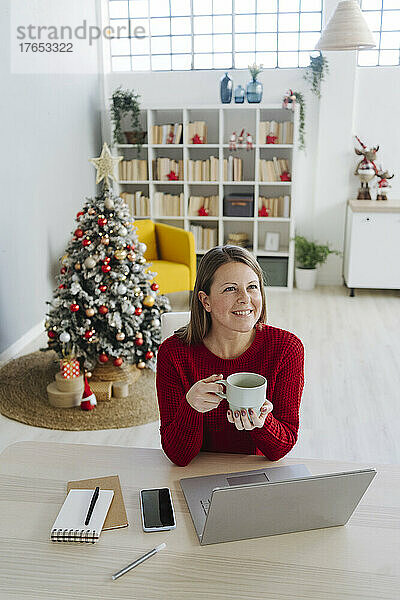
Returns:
<point x="222" y="195"/>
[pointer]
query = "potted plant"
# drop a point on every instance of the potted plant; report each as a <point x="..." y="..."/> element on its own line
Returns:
<point x="315" y="73"/>
<point x="125" y="102"/>
<point x="308" y="255"/>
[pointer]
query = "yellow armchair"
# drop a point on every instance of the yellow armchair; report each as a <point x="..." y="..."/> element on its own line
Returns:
<point x="170" y="250"/>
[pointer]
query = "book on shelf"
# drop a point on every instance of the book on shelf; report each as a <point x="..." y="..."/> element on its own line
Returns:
<point x="282" y="130"/>
<point x="168" y="205"/>
<point x="166" y="134"/>
<point x="271" y="170"/>
<point x="133" y="170"/>
<point x="276" y="207"/>
<point x="198" y="128"/>
<point x="233" y="169"/>
<point x="139" y="205"/>
<point x="209" y="203"/>
<point x="203" y="170"/>
<point x="205" y="238"/>
<point x="163" y="166"/>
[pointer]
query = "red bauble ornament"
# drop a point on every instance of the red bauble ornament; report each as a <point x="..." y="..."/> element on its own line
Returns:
<point x="138" y="311"/>
<point x="102" y="288"/>
<point x="154" y="287"/>
<point x="128" y="246"/>
<point x="88" y="334"/>
<point x="63" y="270"/>
<point x="78" y="233"/>
<point x="139" y="341"/>
<point x="74" y="307"/>
<point x="79" y="214"/>
<point x="61" y="287"/>
<point x="149" y="355"/>
<point x="86" y="242"/>
<point x="103" y="310"/>
<point x="106" y="260"/>
<point x="118" y="362"/>
<point x="101" y="221"/>
<point x="103" y="358"/>
<point x="52" y="334"/>
<point x="106" y="268"/>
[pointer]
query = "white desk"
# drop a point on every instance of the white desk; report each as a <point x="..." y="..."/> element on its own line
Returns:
<point x="360" y="560"/>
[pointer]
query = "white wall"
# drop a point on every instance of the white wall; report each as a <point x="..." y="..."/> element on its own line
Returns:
<point x="50" y="127"/>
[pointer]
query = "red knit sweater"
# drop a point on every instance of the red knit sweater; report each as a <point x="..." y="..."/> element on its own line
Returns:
<point x="274" y="353"/>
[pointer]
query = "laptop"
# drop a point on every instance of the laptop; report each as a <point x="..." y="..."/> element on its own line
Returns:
<point x="271" y="501"/>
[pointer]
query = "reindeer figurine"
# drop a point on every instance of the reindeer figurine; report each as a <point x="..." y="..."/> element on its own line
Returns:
<point x="383" y="184"/>
<point x="366" y="168"/>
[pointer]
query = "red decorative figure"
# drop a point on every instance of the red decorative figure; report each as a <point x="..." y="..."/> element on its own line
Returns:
<point x="196" y="139"/>
<point x="170" y="138"/>
<point x="88" y="401"/>
<point x="202" y="212"/>
<point x="285" y="176"/>
<point x="172" y="176"/>
<point x="263" y="212"/>
<point x="271" y="139"/>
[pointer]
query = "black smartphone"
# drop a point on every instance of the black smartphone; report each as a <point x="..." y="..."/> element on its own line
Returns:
<point x="157" y="509"/>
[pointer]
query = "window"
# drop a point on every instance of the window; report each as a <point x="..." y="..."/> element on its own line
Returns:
<point x="213" y="34"/>
<point x="383" y="18"/>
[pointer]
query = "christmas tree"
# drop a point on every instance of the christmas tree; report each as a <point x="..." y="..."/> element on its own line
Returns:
<point x="106" y="307"/>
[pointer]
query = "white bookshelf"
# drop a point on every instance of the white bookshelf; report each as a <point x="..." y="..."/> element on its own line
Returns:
<point x="221" y="121"/>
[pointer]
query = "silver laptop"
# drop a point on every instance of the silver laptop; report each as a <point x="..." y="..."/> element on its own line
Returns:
<point x="271" y="501"/>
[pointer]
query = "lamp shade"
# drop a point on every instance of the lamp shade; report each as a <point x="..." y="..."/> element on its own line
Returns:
<point x="347" y="29"/>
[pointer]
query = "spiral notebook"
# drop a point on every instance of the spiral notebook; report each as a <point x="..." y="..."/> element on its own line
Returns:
<point x="69" y="525"/>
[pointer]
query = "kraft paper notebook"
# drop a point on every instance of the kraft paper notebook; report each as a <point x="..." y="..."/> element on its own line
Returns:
<point x="69" y="525"/>
<point x="116" y="516"/>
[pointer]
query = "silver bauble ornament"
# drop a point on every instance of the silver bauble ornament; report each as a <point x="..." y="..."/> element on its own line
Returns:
<point x="64" y="337"/>
<point x="141" y="247"/>
<point x="89" y="262"/>
<point x="156" y="322"/>
<point x="109" y="203"/>
<point x="122" y="231"/>
<point x="121" y="289"/>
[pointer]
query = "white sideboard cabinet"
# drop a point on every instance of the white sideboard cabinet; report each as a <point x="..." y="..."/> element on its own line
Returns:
<point x="372" y="245"/>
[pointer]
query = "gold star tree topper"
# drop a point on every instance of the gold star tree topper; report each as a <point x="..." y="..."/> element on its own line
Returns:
<point x="105" y="165"/>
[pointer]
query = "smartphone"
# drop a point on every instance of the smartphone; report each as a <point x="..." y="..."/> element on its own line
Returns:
<point x="157" y="510"/>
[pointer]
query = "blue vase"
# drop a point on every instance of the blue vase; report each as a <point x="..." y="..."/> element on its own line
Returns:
<point x="226" y="89"/>
<point x="254" y="91"/>
<point x="239" y="94"/>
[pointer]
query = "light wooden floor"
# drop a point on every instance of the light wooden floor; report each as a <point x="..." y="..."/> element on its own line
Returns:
<point x="351" y="401"/>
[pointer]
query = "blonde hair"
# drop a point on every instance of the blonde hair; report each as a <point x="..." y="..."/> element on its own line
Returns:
<point x="200" y="320"/>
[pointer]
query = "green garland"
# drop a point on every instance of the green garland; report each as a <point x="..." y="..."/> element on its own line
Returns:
<point x="315" y="73"/>
<point x="122" y="103"/>
<point x="302" y="119"/>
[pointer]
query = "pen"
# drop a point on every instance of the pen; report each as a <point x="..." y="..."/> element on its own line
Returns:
<point x="138" y="561"/>
<point x="92" y="504"/>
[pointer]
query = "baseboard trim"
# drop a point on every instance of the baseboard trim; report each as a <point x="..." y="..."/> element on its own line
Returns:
<point x="20" y="344"/>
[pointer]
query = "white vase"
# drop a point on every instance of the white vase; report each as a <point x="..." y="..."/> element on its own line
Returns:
<point x="305" y="279"/>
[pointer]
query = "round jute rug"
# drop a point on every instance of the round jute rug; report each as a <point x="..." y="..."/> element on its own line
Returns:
<point x="23" y="397"/>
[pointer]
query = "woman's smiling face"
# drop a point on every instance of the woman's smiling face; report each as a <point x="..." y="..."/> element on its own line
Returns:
<point x="235" y="299"/>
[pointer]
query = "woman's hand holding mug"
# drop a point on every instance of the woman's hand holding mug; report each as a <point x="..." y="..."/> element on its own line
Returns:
<point x="250" y="420"/>
<point x="202" y="395"/>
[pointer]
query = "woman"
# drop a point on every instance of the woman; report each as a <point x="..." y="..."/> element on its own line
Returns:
<point x="227" y="334"/>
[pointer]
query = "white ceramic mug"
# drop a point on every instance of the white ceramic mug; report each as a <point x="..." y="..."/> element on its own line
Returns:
<point x="244" y="390"/>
